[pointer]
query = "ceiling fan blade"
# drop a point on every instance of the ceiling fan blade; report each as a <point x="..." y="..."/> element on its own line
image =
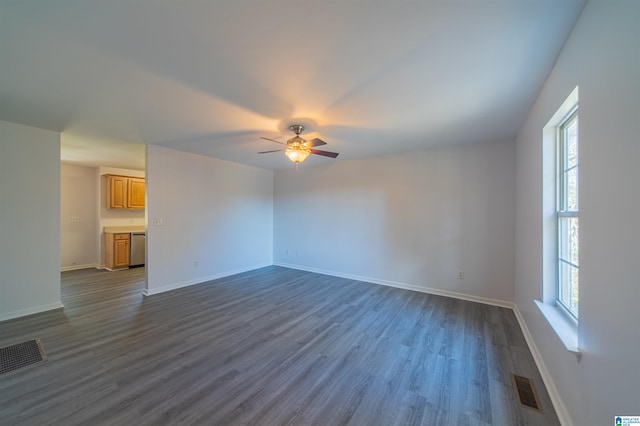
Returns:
<point x="267" y="152"/>
<point x="267" y="139"/>
<point x="316" y="142"/>
<point x="324" y="153"/>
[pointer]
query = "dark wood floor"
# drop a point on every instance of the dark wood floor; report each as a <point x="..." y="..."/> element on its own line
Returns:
<point x="268" y="347"/>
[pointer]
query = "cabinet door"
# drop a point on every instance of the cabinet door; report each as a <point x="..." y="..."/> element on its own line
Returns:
<point x="135" y="193"/>
<point x="116" y="192"/>
<point x="121" y="251"/>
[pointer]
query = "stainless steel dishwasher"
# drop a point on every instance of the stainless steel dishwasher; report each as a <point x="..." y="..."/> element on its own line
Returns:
<point x="137" y="249"/>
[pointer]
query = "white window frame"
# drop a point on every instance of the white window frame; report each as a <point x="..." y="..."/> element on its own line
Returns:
<point x="564" y="214"/>
<point x="563" y="324"/>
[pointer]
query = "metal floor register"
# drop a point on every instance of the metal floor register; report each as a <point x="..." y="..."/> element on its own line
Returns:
<point x="21" y="355"/>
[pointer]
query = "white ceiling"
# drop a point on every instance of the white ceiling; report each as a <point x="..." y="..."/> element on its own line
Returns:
<point x="369" y="77"/>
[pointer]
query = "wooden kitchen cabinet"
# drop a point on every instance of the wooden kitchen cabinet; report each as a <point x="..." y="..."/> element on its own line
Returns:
<point x="116" y="250"/>
<point x="125" y="192"/>
<point x="135" y="193"/>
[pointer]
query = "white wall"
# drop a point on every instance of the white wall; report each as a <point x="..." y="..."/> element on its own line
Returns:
<point x="601" y="57"/>
<point x="29" y="220"/>
<point x="412" y="220"/>
<point x="78" y="199"/>
<point x="217" y="213"/>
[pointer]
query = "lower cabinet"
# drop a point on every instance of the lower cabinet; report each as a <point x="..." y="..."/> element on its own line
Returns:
<point x="116" y="250"/>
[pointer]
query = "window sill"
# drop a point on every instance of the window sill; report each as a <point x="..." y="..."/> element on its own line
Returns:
<point x="565" y="328"/>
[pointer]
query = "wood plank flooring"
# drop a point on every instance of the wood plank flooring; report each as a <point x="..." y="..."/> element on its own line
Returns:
<point x="273" y="346"/>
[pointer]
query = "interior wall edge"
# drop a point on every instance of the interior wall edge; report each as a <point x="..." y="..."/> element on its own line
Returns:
<point x="201" y="280"/>
<point x="404" y="286"/>
<point x="554" y="394"/>
<point x="78" y="267"/>
<point x="30" y="311"/>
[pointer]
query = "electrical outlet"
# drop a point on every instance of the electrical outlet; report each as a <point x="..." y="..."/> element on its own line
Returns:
<point x="157" y="222"/>
<point x="73" y="219"/>
<point x="460" y="275"/>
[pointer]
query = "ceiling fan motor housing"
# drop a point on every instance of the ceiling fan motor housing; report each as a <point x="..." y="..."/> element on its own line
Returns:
<point x="297" y="128"/>
<point x="296" y="141"/>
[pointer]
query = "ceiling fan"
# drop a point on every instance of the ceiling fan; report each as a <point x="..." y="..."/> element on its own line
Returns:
<point x="298" y="149"/>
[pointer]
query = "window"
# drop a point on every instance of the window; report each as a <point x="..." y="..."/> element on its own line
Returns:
<point x="567" y="209"/>
<point x="560" y="207"/>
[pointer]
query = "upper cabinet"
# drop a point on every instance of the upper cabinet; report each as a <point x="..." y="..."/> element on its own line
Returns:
<point x="125" y="192"/>
<point x="135" y="193"/>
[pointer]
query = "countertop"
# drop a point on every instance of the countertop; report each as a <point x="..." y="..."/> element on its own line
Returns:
<point x="123" y="229"/>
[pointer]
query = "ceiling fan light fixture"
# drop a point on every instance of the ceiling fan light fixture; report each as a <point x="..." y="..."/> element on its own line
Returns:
<point x="297" y="154"/>
<point x="298" y="149"/>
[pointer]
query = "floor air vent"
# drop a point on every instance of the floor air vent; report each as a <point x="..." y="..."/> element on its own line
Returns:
<point x="526" y="392"/>
<point x="21" y="355"/>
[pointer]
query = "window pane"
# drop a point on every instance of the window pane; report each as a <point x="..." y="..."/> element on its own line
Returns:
<point x="571" y="137"/>
<point x="563" y="294"/>
<point x="568" y="274"/>
<point x="572" y="189"/>
<point x="568" y="296"/>
<point x="568" y="228"/>
<point x="573" y="290"/>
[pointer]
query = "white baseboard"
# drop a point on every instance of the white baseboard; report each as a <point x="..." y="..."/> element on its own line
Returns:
<point x="30" y="311"/>
<point x="76" y="267"/>
<point x="561" y="409"/>
<point x="429" y="290"/>
<point x="201" y="280"/>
